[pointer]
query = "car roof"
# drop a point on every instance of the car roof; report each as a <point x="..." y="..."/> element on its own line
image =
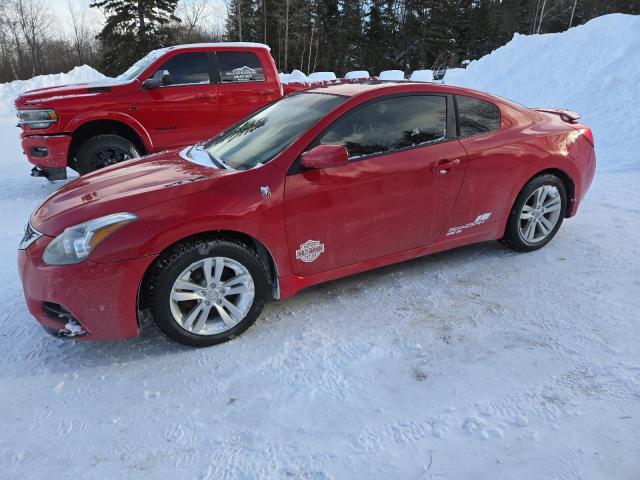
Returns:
<point x="353" y="89"/>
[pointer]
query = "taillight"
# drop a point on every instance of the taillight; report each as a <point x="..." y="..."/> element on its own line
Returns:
<point x="588" y="134"/>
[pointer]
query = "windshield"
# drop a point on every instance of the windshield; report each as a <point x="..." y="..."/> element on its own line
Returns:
<point x="262" y="136"/>
<point x="141" y="65"/>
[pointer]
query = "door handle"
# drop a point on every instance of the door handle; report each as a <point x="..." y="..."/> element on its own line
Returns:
<point x="443" y="166"/>
<point x="264" y="93"/>
<point x="204" y="96"/>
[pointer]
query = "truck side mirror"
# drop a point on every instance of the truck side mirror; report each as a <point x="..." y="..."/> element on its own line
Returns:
<point x="159" y="79"/>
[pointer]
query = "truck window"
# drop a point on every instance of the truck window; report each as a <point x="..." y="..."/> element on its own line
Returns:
<point x="240" y="67"/>
<point x="187" y="68"/>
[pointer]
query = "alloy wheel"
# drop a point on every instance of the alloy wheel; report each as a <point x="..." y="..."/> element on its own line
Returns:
<point x="212" y="295"/>
<point x="540" y="214"/>
<point x="110" y="156"/>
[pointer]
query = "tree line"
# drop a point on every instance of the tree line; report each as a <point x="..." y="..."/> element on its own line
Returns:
<point x="374" y="35"/>
<point x="309" y="35"/>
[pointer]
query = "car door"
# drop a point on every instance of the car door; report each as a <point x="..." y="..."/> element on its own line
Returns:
<point x="184" y="111"/>
<point x="244" y="86"/>
<point x="403" y="177"/>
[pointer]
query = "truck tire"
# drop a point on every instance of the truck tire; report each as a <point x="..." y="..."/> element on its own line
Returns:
<point x="104" y="150"/>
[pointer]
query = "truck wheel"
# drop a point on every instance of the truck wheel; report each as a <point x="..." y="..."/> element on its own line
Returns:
<point x="537" y="214"/>
<point x="104" y="150"/>
<point x="207" y="292"/>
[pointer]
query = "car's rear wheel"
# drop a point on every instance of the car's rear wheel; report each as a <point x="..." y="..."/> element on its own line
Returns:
<point x="208" y="292"/>
<point x="104" y="150"/>
<point x="537" y="214"/>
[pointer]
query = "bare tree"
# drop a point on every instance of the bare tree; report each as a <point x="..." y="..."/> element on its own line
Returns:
<point x="82" y="33"/>
<point x="194" y="15"/>
<point x="34" y="21"/>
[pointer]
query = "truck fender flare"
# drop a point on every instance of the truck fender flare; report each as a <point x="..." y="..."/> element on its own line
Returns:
<point x="129" y="121"/>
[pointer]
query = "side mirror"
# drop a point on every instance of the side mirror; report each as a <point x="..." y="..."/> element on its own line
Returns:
<point x="159" y="79"/>
<point x="325" y="156"/>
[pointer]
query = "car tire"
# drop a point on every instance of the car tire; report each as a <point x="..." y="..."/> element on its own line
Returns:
<point x="102" y="151"/>
<point x="532" y="224"/>
<point x="172" y="306"/>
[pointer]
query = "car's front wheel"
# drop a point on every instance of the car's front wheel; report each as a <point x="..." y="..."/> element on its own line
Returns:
<point x="537" y="214"/>
<point x="208" y="292"/>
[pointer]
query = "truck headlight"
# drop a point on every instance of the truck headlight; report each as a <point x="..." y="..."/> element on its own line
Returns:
<point x="77" y="242"/>
<point x="37" y="119"/>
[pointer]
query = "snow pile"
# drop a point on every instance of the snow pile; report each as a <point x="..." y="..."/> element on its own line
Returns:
<point x="391" y="75"/>
<point x="357" y="74"/>
<point x="322" y="76"/>
<point x="593" y="69"/>
<point x="294" y="77"/>
<point x="9" y="91"/>
<point x="422" y="76"/>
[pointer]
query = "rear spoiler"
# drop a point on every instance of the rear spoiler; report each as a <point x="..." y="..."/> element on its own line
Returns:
<point x="566" y="115"/>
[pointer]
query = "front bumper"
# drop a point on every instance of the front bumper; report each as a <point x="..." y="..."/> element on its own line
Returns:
<point x="102" y="298"/>
<point x="47" y="151"/>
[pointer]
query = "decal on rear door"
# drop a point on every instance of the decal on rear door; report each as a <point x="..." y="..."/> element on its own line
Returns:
<point x="310" y="251"/>
<point x="480" y="219"/>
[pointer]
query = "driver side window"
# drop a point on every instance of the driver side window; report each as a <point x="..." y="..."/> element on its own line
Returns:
<point x="390" y="124"/>
<point x="188" y="68"/>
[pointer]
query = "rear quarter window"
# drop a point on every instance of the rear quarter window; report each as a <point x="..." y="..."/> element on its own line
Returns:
<point x="238" y="67"/>
<point x="476" y="116"/>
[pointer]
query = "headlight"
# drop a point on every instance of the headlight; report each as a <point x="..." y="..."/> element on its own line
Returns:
<point x="76" y="243"/>
<point x="37" y="119"/>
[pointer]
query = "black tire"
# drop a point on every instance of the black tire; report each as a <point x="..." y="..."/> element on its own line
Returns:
<point x="170" y="266"/>
<point x="104" y="150"/>
<point x="513" y="237"/>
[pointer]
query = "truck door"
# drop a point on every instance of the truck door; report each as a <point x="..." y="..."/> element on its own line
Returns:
<point x="184" y="111"/>
<point x="245" y="84"/>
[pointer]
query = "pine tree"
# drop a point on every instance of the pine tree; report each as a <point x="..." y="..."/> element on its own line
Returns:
<point x="132" y="29"/>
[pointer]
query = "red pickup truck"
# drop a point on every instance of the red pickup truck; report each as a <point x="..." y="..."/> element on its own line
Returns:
<point x="172" y="97"/>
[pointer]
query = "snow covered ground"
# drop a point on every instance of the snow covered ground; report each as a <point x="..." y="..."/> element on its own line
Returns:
<point x="476" y="363"/>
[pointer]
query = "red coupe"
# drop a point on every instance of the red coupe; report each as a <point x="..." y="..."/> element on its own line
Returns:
<point x="321" y="184"/>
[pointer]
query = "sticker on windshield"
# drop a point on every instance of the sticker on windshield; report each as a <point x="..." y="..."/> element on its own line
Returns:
<point x="310" y="251"/>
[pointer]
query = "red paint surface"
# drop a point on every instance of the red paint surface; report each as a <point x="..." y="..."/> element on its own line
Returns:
<point x="367" y="213"/>
<point x="166" y="117"/>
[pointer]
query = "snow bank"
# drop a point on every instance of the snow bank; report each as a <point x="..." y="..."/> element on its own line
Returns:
<point x="391" y="75"/>
<point x="357" y="74"/>
<point x="9" y="91"/>
<point x="422" y="76"/>
<point x="322" y="76"/>
<point x="294" y="77"/>
<point x="593" y="69"/>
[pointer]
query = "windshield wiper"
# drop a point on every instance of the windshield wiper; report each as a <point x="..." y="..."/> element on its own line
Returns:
<point x="217" y="161"/>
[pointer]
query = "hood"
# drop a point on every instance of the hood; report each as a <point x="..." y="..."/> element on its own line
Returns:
<point x="127" y="187"/>
<point x="40" y="95"/>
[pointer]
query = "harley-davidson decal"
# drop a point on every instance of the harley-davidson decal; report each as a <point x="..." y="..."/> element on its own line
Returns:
<point x="310" y="251"/>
